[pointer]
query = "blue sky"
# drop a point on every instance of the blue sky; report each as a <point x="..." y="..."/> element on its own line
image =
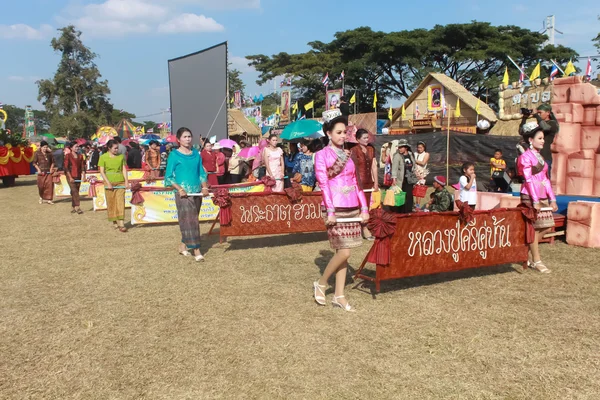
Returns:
<point x="135" y="38"/>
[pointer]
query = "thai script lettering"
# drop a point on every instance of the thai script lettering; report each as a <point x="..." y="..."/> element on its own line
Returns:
<point x="279" y="213"/>
<point x="460" y="239"/>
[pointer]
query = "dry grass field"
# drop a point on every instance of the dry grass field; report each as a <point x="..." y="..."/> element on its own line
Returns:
<point x="90" y="313"/>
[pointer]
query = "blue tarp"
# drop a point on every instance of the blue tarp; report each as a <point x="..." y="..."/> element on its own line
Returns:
<point x="380" y="125"/>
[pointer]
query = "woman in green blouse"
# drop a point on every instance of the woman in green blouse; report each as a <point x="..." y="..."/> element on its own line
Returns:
<point x="187" y="175"/>
<point x="114" y="175"/>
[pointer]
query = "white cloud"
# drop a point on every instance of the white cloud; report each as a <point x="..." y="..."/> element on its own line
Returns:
<point x="241" y="64"/>
<point x="116" y="18"/>
<point x="109" y="28"/>
<point x="22" y="31"/>
<point x="216" y="4"/>
<point x="185" y="23"/>
<point x="125" y="10"/>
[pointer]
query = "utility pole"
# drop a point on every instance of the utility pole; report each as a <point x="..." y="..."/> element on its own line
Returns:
<point x="550" y="29"/>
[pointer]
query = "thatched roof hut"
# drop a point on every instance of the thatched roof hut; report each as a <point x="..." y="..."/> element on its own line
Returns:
<point x="449" y="91"/>
<point x="238" y="124"/>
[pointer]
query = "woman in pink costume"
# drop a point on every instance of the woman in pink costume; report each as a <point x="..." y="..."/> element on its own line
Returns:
<point x="273" y="160"/>
<point x="537" y="190"/>
<point x="342" y="198"/>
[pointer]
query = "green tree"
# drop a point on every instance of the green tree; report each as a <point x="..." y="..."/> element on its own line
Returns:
<point x="394" y="63"/>
<point x="76" y="99"/>
<point x="235" y="82"/>
<point x="117" y="115"/>
<point x="270" y="104"/>
<point x="16" y="119"/>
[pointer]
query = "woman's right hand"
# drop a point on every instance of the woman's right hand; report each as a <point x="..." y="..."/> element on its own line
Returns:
<point x="109" y="186"/>
<point x="331" y="220"/>
<point x="182" y="193"/>
<point x="537" y="206"/>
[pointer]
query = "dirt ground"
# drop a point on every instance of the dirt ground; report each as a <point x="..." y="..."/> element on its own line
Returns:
<point x="90" y="313"/>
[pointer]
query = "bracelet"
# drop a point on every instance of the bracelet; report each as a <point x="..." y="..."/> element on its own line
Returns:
<point x="331" y="211"/>
<point x="365" y="209"/>
<point x="331" y="214"/>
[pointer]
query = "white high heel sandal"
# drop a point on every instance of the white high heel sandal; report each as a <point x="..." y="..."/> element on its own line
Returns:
<point x="319" y="293"/>
<point x="346" y="307"/>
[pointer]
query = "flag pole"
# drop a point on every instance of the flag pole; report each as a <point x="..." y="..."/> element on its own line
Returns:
<point x="519" y="68"/>
<point x="556" y="65"/>
<point x="448" y="147"/>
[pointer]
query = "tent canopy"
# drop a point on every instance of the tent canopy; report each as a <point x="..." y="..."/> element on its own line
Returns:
<point x="125" y="129"/>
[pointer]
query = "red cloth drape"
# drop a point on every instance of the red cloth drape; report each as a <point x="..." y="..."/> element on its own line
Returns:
<point x="223" y="201"/>
<point x="530" y="216"/>
<point x="136" y="196"/>
<point x="382" y="225"/>
<point x="465" y="212"/>
<point x="294" y="193"/>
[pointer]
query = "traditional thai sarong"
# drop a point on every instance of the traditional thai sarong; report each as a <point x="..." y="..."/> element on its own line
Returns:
<point x="545" y="219"/>
<point x="45" y="186"/>
<point x="188" y="209"/>
<point x="44" y="180"/>
<point x="74" y="187"/>
<point x="115" y="203"/>
<point x="344" y="235"/>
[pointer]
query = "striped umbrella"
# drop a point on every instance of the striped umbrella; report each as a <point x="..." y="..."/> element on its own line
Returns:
<point x="125" y="129"/>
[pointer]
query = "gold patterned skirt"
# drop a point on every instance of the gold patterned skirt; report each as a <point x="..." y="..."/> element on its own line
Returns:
<point x="545" y="219"/>
<point x="344" y="235"/>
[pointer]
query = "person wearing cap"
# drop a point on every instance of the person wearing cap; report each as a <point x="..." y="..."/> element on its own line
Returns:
<point x="547" y="122"/>
<point x="441" y="199"/>
<point x="403" y="175"/>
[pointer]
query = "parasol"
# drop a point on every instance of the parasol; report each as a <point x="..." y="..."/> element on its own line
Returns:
<point x="227" y="143"/>
<point x="301" y="129"/>
<point x="81" y="141"/>
<point x="150" y="136"/>
<point x="171" y="139"/>
<point x="48" y="135"/>
<point x="249" y="152"/>
<point x="351" y="134"/>
<point x="104" y="139"/>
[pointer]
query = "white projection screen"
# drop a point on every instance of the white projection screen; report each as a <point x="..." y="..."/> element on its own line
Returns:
<point x="198" y="88"/>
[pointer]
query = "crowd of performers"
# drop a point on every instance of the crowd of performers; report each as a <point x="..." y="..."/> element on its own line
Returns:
<point x="343" y="176"/>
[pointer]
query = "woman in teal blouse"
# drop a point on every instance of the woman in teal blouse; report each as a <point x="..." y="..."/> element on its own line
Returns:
<point x="187" y="175"/>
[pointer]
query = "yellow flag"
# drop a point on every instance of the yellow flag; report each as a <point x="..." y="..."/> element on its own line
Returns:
<point x="570" y="69"/>
<point x="477" y="107"/>
<point x="403" y="112"/>
<point x="353" y="98"/>
<point x="457" y="110"/>
<point x="390" y="114"/>
<point x="143" y="130"/>
<point x="295" y="107"/>
<point x="309" y="106"/>
<point x="277" y="111"/>
<point x="535" y="73"/>
<point x="375" y="100"/>
<point x="506" y="79"/>
<point x="231" y="101"/>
